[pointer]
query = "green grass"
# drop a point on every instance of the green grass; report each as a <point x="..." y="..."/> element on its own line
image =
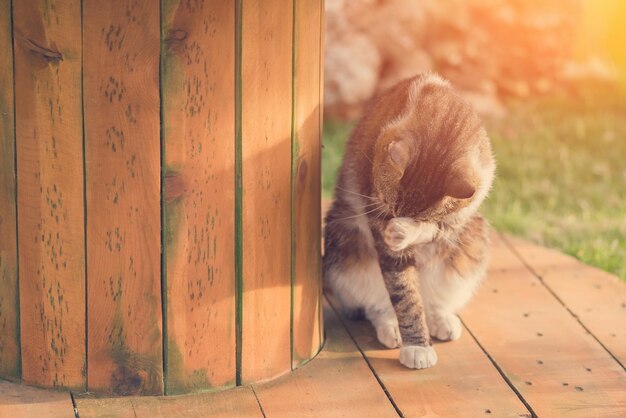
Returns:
<point x="561" y="179"/>
<point x="334" y="139"/>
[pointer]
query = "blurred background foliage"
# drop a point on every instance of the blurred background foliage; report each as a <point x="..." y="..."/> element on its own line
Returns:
<point x="549" y="78"/>
<point x="603" y="30"/>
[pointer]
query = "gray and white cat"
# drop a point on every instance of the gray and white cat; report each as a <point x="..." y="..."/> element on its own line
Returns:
<point x="404" y="242"/>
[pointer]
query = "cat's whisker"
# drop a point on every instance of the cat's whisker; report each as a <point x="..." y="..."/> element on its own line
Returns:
<point x="368" y="158"/>
<point x="380" y="209"/>
<point x="368" y="205"/>
<point x="382" y="213"/>
<point x="355" y="193"/>
<point x="365" y="207"/>
<point x="447" y="238"/>
<point x="360" y="214"/>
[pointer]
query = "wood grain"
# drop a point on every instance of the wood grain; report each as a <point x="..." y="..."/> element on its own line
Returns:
<point x="553" y="362"/>
<point x="199" y="143"/>
<point x="20" y="401"/>
<point x="595" y="297"/>
<point x="122" y="145"/>
<point x="463" y="383"/>
<point x="236" y="403"/>
<point x="337" y="382"/>
<point x="266" y="173"/>
<point x="49" y="141"/>
<point x="306" y="182"/>
<point x="9" y="295"/>
<point x="96" y="407"/>
<point x="324" y="209"/>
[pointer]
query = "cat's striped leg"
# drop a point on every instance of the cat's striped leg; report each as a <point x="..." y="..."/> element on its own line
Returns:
<point x="402" y="284"/>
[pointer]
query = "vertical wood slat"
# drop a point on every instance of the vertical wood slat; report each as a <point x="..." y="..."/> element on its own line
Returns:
<point x="322" y="29"/>
<point x="198" y="133"/>
<point x="266" y="172"/>
<point x="238" y="195"/>
<point x="50" y="191"/>
<point x="121" y="41"/>
<point x="306" y="182"/>
<point x="9" y="296"/>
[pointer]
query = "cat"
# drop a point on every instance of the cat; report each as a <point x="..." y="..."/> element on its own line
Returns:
<point x="404" y="243"/>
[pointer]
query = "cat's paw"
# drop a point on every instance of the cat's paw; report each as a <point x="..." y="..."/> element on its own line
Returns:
<point x="444" y="327"/>
<point x="418" y="357"/>
<point x="389" y="334"/>
<point x="398" y="234"/>
<point x="403" y="232"/>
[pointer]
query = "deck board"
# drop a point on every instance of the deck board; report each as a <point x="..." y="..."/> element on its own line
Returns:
<point x="22" y="401"/>
<point x="235" y="403"/>
<point x="463" y="383"/>
<point x="591" y="294"/>
<point x="553" y="362"/>
<point x="337" y="382"/>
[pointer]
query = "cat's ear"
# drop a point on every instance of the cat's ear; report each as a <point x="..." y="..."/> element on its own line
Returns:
<point x="460" y="188"/>
<point x="399" y="154"/>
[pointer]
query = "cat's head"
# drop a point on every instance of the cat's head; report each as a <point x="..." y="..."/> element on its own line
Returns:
<point x="432" y="162"/>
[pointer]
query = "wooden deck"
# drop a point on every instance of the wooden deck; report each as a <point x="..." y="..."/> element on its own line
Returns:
<point x="545" y="336"/>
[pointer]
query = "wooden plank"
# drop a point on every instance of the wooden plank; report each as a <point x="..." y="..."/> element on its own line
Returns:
<point x="235" y="403"/>
<point x="266" y="173"/>
<point x="199" y="140"/>
<point x="306" y="182"/>
<point x="337" y="382"/>
<point x="321" y="321"/>
<point x="122" y="146"/>
<point x="9" y="296"/>
<point x="49" y="141"/>
<point x="94" y="407"/>
<point x="595" y="297"/>
<point x="558" y="368"/>
<point x="463" y="383"/>
<point x="239" y="402"/>
<point x="17" y="401"/>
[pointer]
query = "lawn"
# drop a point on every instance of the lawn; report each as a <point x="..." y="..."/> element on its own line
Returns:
<point x="561" y="178"/>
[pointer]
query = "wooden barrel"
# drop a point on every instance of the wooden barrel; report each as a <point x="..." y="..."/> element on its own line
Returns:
<point x="159" y="192"/>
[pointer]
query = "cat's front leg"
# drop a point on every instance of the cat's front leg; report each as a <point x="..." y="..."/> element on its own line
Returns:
<point x="401" y="281"/>
<point x="401" y="233"/>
